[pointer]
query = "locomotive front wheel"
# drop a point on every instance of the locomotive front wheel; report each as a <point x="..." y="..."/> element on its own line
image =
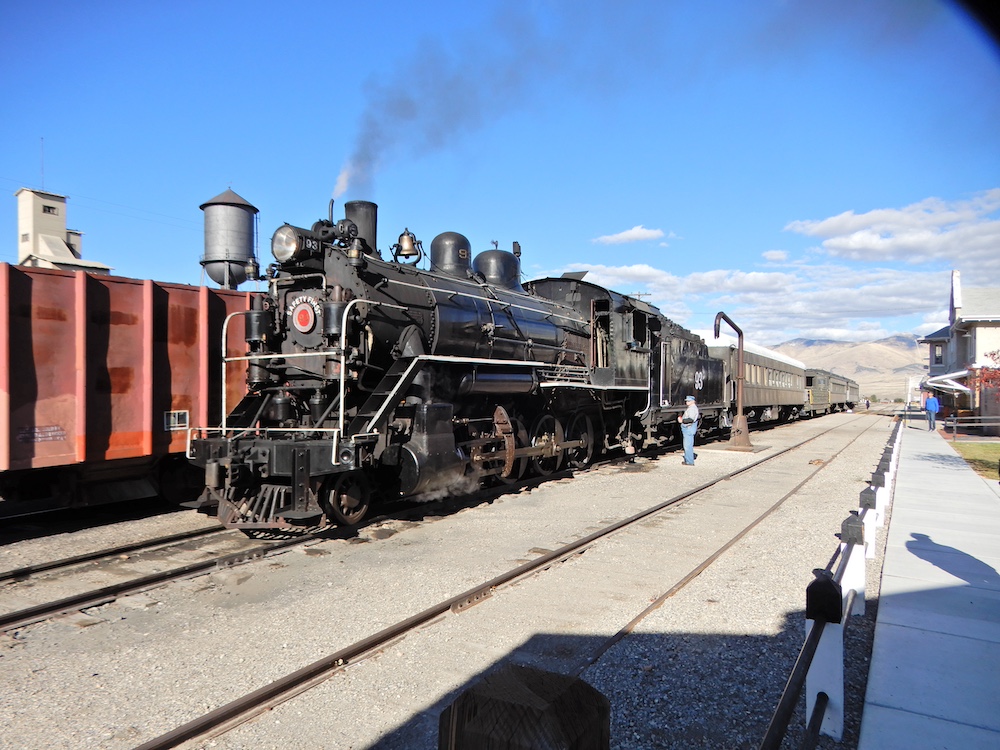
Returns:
<point x="546" y="431"/>
<point x="580" y="428"/>
<point x="349" y="498"/>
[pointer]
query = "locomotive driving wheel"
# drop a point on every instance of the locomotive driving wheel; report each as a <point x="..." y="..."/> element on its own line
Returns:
<point x="349" y="497"/>
<point x="545" y="432"/>
<point x="581" y="428"/>
<point x="520" y="440"/>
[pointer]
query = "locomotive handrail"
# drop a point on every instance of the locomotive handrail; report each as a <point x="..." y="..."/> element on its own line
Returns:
<point x="536" y="345"/>
<point x="225" y="363"/>
<point x="343" y="358"/>
<point x="420" y="359"/>
<point x="279" y="355"/>
<point x="250" y="357"/>
<point x="485" y="299"/>
<point x="295" y="279"/>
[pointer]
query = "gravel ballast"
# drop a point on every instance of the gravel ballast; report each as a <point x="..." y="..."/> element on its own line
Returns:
<point x="703" y="670"/>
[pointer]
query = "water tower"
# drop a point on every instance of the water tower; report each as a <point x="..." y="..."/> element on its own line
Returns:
<point x="229" y="240"/>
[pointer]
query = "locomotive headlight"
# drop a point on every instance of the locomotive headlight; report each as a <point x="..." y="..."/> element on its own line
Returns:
<point x="288" y="244"/>
<point x="285" y="244"/>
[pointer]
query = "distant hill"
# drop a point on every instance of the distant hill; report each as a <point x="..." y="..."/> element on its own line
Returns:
<point x="881" y="367"/>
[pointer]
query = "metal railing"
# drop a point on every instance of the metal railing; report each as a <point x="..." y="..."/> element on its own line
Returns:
<point x="960" y="427"/>
<point x="832" y="598"/>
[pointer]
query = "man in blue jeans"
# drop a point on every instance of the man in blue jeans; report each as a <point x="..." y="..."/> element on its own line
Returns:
<point x="932" y="406"/>
<point x="689" y="427"/>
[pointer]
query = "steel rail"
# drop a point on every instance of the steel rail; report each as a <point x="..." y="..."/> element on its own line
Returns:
<point x="244" y="707"/>
<point x="107" y="594"/>
<point x="29" y="570"/>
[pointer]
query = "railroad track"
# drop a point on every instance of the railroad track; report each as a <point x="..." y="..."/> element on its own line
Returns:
<point x="105" y="594"/>
<point x="27" y="571"/>
<point x="238" y="711"/>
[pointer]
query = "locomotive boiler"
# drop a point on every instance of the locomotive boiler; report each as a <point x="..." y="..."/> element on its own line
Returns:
<point x="369" y="377"/>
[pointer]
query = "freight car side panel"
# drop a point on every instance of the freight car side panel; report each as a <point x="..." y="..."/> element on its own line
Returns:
<point x="117" y="345"/>
<point x="98" y="368"/>
<point x="41" y="369"/>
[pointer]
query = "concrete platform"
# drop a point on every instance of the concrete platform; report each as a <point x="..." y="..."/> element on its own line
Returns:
<point x="934" y="680"/>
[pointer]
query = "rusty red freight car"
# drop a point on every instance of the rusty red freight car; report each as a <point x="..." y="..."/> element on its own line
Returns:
<point x="100" y="377"/>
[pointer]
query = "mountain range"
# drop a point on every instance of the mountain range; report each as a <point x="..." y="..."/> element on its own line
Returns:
<point x="882" y="368"/>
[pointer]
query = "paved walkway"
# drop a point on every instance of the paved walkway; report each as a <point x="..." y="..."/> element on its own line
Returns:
<point x="934" y="680"/>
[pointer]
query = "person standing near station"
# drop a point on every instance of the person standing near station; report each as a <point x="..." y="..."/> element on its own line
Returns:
<point x="689" y="427"/>
<point x="932" y="406"/>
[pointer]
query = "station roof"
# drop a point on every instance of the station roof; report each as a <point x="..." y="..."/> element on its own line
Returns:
<point x="980" y="303"/>
<point x="940" y="335"/>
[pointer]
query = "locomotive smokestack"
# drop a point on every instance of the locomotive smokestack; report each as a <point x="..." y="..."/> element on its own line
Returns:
<point x="365" y="215"/>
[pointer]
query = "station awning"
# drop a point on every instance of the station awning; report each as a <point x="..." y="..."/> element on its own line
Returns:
<point x="948" y="382"/>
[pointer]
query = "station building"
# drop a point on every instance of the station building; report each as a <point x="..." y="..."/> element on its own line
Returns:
<point x="964" y="355"/>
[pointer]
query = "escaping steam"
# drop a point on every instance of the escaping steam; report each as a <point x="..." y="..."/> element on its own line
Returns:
<point x="343" y="180"/>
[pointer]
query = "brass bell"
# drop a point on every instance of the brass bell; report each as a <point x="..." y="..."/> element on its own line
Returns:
<point x="408" y="248"/>
<point x="407" y="245"/>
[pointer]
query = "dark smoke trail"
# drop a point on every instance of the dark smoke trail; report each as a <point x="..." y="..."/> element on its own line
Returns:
<point x="448" y="88"/>
<point x="450" y="85"/>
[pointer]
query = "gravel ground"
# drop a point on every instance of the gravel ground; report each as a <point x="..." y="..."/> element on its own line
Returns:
<point x="44" y="548"/>
<point x="707" y="669"/>
<point x="704" y="670"/>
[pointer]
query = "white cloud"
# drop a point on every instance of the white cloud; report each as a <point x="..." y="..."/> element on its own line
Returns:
<point x="932" y="230"/>
<point x="877" y="274"/>
<point x="738" y="282"/>
<point x="616" y="277"/>
<point x="635" y="234"/>
<point x="810" y="301"/>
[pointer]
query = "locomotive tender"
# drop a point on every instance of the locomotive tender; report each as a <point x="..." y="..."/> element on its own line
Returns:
<point x="371" y="378"/>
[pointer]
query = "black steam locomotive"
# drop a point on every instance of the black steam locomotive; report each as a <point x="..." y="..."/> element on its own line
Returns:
<point x="372" y="378"/>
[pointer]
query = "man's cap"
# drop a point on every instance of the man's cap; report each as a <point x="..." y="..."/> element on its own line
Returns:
<point x="689" y="398"/>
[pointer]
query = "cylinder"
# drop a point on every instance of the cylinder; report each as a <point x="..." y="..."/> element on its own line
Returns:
<point x="333" y="314"/>
<point x="317" y="407"/>
<point x="259" y="324"/>
<point x="257" y="374"/>
<point x="229" y="238"/>
<point x="365" y="215"/>
<point x="280" y="409"/>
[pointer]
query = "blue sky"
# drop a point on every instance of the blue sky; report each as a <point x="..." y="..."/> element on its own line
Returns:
<point x="814" y="169"/>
